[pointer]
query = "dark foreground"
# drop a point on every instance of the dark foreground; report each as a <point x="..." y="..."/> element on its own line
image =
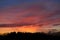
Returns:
<point x="30" y="36"/>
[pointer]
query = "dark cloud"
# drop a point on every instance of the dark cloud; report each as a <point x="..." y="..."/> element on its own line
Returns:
<point x="13" y="25"/>
<point x="18" y="25"/>
<point x="56" y="24"/>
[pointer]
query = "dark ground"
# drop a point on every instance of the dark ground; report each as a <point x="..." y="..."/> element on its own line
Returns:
<point x="30" y="36"/>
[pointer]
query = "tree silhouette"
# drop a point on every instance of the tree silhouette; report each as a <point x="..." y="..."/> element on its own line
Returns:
<point x="30" y="36"/>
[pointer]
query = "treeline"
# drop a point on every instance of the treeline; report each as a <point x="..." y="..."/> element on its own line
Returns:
<point x="30" y="36"/>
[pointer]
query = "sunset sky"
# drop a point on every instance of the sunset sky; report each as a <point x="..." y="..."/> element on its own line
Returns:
<point x="31" y="15"/>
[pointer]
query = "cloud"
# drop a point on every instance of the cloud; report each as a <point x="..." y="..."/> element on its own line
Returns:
<point x="56" y="24"/>
<point x="44" y="13"/>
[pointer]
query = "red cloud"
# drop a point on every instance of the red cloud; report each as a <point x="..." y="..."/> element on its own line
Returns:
<point x="30" y="14"/>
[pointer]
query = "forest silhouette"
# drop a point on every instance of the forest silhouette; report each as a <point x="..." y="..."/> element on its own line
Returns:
<point x="30" y="36"/>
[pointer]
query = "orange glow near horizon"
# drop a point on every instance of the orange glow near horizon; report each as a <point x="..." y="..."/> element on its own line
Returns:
<point x="31" y="29"/>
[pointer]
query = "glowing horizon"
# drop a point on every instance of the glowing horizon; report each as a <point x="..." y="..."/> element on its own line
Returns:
<point x="29" y="28"/>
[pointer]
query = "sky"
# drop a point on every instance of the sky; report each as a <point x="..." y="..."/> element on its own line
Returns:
<point x="43" y="13"/>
